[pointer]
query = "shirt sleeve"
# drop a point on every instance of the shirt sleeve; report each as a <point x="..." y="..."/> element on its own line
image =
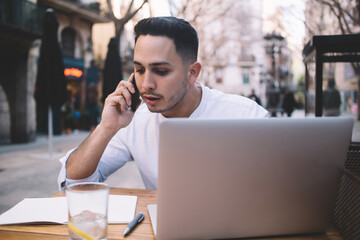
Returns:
<point x="62" y="174"/>
<point x="63" y="181"/>
<point x="116" y="154"/>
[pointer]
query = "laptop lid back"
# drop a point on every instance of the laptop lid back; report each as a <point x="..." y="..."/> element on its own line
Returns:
<point x="246" y="178"/>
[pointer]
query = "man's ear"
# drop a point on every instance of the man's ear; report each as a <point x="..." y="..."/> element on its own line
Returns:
<point x="193" y="72"/>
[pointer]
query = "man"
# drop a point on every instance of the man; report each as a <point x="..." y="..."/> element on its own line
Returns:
<point x="331" y="100"/>
<point x="289" y="103"/>
<point x="254" y="97"/>
<point x="166" y="70"/>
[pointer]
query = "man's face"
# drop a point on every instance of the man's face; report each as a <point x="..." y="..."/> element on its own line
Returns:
<point x="160" y="74"/>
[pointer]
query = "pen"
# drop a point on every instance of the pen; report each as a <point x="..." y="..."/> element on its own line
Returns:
<point x="133" y="223"/>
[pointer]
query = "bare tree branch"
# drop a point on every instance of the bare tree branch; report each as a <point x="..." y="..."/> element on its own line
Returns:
<point x="129" y="15"/>
<point x="339" y="12"/>
<point x="119" y="23"/>
<point x="111" y="12"/>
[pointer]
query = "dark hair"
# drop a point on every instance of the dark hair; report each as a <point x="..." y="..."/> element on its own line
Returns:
<point x="331" y="83"/>
<point x="180" y="31"/>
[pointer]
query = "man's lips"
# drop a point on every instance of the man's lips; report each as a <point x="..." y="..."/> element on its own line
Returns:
<point x="150" y="99"/>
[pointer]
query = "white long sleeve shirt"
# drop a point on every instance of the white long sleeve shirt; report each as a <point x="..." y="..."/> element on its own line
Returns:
<point x="139" y="141"/>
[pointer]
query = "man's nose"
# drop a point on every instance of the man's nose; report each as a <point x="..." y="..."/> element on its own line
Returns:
<point x="148" y="82"/>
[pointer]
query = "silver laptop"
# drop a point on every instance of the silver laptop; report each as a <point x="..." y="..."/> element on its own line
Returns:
<point x="248" y="178"/>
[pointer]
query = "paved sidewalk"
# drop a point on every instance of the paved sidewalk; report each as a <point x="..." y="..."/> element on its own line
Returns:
<point x="28" y="170"/>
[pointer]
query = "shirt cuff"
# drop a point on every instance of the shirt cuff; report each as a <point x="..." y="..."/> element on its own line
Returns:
<point x="63" y="181"/>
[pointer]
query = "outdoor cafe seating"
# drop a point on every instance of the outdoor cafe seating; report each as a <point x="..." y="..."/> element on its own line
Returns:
<point x="347" y="209"/>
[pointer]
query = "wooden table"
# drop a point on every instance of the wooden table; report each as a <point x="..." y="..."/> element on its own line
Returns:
<point x="115" y="231"/>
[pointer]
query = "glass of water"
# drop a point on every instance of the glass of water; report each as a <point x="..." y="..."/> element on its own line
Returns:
<point x="88" y="210"/>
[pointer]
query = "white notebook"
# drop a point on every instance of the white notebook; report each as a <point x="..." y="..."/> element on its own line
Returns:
<point x="54" y="210"/>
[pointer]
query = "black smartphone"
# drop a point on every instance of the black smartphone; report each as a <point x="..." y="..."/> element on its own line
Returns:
<point x="135" y="98"/>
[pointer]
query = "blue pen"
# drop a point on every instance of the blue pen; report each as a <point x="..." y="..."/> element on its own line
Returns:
<point x="133" y="223"/>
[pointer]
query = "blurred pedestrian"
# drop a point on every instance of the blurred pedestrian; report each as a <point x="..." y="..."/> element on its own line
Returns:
<point x="254" y="97"/>
<point x="92" y="109"/>
<point x="331" y="99"/>
<point x="68" y="114"/>
<point x="92" y="75"/>
<point x="289" y="103"/>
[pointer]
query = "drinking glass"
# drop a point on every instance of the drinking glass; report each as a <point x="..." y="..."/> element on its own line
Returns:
<point x="88" y="210"/>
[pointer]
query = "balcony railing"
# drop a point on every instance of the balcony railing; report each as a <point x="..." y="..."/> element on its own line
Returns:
<point x="22" y="14"/>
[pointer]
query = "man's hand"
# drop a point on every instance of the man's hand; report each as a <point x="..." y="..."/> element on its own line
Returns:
<point x="116" y="112"/>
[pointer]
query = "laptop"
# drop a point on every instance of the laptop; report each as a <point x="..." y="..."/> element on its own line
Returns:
<point x="248" y="178"/>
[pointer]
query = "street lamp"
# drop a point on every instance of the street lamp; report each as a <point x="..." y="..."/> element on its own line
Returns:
<point x="273" y="48"/>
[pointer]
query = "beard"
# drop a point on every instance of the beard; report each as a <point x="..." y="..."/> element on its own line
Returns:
<point x="173" y="101"/>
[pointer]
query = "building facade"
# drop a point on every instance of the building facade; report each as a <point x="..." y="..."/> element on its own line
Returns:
<point x="232" y="50"/>
<point x="20" y="38"/>
<point x="232" y="46"/>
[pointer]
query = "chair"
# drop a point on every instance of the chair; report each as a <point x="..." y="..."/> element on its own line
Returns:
<point x="353" y="159"/>
<point x="347" y="209"/>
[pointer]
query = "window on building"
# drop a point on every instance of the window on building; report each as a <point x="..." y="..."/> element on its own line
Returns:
<point x="245" y="76"/>
<point x="68" y="42"/>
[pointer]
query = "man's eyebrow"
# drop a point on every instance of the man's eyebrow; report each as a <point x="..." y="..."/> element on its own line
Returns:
<point x="152" y="64"/>
<point x="136" y="63"/>
<point x="159" y="63"/>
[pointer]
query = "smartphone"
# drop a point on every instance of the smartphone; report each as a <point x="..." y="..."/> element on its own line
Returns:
<point x="135" y="98"/>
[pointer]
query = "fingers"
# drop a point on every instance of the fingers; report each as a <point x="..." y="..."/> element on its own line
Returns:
<point x="117" y="100"/>
<point x="122" y="94"/>
<point x="130" y="80"/>
<point x="128" y="84"/>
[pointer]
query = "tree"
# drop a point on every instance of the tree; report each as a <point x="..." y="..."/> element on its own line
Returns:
<point x="346" y="14"/>
<point x="119" y="23"/>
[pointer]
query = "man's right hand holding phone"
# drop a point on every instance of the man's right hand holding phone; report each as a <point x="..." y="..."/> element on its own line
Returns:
<point x="116" y="115"/>
<point x="117" y="112"/>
